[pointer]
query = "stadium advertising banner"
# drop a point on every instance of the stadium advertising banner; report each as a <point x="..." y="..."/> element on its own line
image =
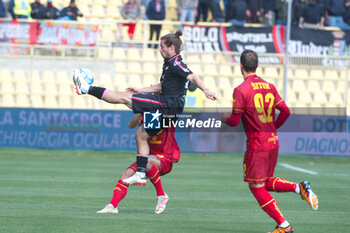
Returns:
<point x="108" y="130"/>
<point x="304" y="42"/>
<point x="48" y="33"/>
<point x="66" y="129"/>
<point x="18" y="32"/>
<point x="318" y="135"/>
<point x="98" y="130"/>
<point x="204" y="38"/>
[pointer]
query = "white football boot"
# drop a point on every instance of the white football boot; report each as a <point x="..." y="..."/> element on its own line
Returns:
<point x="161" y="204"/>
<point x="108" y="209"/>
<point x="139" y="178"/>
<point x="81" y="85"/>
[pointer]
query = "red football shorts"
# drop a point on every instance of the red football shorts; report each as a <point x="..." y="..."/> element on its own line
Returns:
<point x="166" y="165"/>
<point x="259" y="165"/>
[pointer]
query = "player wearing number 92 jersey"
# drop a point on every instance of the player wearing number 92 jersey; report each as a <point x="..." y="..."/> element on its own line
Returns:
<point x="257" y="100"/>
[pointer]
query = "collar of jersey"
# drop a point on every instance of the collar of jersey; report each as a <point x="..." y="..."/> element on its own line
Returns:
<point x="251" y="76"/>
<point x="172" y="58"/>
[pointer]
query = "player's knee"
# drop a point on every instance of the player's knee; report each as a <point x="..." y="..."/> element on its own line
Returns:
<point x="149" y="166"/>
<point x="140" y="136"/>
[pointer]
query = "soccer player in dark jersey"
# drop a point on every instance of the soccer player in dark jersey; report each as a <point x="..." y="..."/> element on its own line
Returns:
<point x="164" y="151"/>
<point x="169" y="101"/>
<point x="255" y="102"/>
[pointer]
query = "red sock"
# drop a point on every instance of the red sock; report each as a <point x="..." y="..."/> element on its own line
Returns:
<point x="268" y="204"/>
<point x="154" y="177"/>
<point x="277" y="184"/>
<point x="120" y="191"/>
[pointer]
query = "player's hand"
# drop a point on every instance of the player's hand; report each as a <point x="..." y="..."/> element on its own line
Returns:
<point x="224" y="116"/>
<point x="133" y="90"/>
<point x="210" y="95"/>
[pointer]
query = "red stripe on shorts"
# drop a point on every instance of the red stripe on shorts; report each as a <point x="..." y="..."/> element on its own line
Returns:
<point x="146" y="100"/>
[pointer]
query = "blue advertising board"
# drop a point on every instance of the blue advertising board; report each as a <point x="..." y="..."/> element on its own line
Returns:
<point x="66" y="129"/>
<point x="108" y="130"/>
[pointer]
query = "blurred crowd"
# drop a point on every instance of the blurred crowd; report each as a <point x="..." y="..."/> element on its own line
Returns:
<point x="22" y="9"/>
<point x="313" y="14"/>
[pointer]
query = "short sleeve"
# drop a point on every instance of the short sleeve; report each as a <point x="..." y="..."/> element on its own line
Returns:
<point x="180" y="68"/>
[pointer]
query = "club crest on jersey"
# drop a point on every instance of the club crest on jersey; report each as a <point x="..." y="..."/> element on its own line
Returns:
<point x="152" y="120"/>
<point x="176" y="63"/>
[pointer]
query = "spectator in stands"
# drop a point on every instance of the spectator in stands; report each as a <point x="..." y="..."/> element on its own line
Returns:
<point x="70" y="12"/>
<point x="297" y="9"/>
<point x="19" y="9"/>
<point x="202" y="10"/>
<point x="51" y="11"/>
<point x="225" y="6"/>
<point x="253" y="10"/>
<point x="269" y="12"/>
<point x="145" y="3"/>
<point x="38" y="10"/>
<point x="187" y="10"/>
<point x="130" y="11"/>
<point x="346" y="16"/>
<point x="281" y="12"/>
<point x="236" y="12"/>
<point x="2" y="10"/>
<point x="155" y="11"/>
<point x="312" y="17"/>
<point x="336" y="9"/>
<point x="216" y="11"/>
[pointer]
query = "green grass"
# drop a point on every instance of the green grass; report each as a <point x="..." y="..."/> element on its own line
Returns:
<point x="45" y="191"/>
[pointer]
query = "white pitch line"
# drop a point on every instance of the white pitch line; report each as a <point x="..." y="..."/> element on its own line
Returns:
<point x="298" y="169"/>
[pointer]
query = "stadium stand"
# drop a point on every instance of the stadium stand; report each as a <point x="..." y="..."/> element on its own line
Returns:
<point x="301" y="74"/>
<point x="298" y="86"/>
<point x="22" y="100"/>
<point x="149" y="80"/>
<point x="225" y="70"/>
<point x="315" y="87"/>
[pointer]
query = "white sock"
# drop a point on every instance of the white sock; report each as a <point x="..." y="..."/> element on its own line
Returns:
<point x="297" y="189"/>
<point x="285" y="224"/>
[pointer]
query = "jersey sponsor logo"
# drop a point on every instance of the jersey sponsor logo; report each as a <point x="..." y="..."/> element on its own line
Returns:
<point x="160" y="156"/>
<point x="152" y="120"/>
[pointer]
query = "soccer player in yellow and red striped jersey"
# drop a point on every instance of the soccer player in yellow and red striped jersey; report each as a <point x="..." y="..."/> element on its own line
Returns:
<point x="255" y="102"/>
<point x="164" y="151"/>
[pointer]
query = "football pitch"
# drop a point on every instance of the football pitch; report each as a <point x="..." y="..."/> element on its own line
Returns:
<point x="44" y="191"/>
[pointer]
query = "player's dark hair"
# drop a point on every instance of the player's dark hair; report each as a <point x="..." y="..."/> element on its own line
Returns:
<point x="249" y="60"/>
<point x="173" y="39"/>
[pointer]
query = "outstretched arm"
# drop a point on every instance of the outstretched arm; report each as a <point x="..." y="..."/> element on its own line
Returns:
<point x="196" y="81"/>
